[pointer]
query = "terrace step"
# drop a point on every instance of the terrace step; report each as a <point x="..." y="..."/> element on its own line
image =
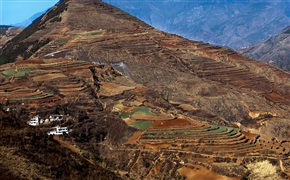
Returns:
<point x="169" y="131"/>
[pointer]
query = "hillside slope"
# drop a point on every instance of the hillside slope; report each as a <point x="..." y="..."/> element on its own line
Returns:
<point x="125" y="127"/>
<point x="28" y="153"/>
<point x="7" y="33"/>
<point x="171" y="108"/>
<point x="221" y="81"/>
<point x="274" y="50"/>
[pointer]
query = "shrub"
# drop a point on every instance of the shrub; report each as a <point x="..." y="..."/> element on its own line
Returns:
<point x="56" y="19"/>
<point x="61" y="40"/>
<point x="263" y="170"/>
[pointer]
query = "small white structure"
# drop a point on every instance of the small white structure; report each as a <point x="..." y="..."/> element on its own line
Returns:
<point x="56" y="118"/>
<point x="59" y="131"/>
<point x="34" y="121"/>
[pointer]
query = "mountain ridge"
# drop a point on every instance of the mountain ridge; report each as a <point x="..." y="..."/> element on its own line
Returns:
<point x="145" y="124"/>
<point x="107" y="39"/>
<point x="28" y="21"/>
<point x="239" y="23"/>
<point x="273" y="50"/>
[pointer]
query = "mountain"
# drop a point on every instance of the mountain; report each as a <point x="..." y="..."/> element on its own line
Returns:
<point x="234" y="24"/>
<point x="4" y="26"/>
<point x="274" y="50"/>
<point x="7" y="33"/>
<point x="111" y="36"/>
<point x="28" y="21"/>
<point x="143" y="103"/>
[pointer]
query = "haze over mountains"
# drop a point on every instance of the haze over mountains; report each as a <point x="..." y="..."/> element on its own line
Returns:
<point x="235" y="24"/>
<point x="275" y="50"/>
<point x="28" y="21"/>
<point x="171" y="108"/>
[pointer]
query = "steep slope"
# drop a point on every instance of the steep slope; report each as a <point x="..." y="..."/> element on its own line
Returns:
<point x="211" y="78"/>
<point x="274" y="50"/>
<point x="123" y="126"/>
<point x="18" y="45"/>
<point x="28" y="153"/>
<point x="170" y="108"/>
<point x="7" y="33"/>
<point x="233" y="24"/>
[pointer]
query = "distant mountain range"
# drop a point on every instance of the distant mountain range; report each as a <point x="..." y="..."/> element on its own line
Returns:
<point x="275" y="50"/>
<point x="28" y="21"/>
<point x="4" y="26"/>
<point x="234" y="23"/>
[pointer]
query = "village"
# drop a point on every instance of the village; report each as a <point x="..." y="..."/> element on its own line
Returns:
<point x="37" y="120"/>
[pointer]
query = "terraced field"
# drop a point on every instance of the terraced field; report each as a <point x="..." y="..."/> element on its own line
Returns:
<point x="52" y="82"/>
<point x="169" y="143"/>
<point x="162" y="138"/>
<point x="201" y="138"/>
<point x="213" y="78"/>
<point x="176" y="111"/>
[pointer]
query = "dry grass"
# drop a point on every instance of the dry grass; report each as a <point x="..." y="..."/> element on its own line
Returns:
<point x="263" y="170"/>
<point x="201" y="173"/>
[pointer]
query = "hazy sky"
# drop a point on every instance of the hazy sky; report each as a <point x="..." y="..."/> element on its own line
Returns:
<point x="16" y="11"/>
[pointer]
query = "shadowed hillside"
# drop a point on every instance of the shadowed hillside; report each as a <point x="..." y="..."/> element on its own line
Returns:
<point x="28" y="153"/>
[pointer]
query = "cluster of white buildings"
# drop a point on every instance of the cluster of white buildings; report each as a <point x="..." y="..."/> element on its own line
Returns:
<point x="36" y="121"/>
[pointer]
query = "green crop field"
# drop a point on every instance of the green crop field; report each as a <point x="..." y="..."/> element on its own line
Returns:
<point x="20" y="73"/>
<point x="87" y="34"/>
<point x="142" y="110"/>
<point x="142" y="125"/>
<point x="31" y="98"/>
<point x="61" y="40"/>
<point x="8" y="72"/>
<point x="125" y="115"/>
<point x="94" y="33"/>
<point x="138" y="110"/>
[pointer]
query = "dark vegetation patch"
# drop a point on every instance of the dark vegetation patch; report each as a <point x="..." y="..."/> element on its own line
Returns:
<point x="248" y="121"/>
<point x="99" y="127"/>
<point x="3" y="31"/>
<point x="56" y="19"/>
<point x="32" y="146"/>
<point x="10" y="53"/>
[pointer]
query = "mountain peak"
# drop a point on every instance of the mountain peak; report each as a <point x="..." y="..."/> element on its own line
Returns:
<point x="169" y="105"/>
